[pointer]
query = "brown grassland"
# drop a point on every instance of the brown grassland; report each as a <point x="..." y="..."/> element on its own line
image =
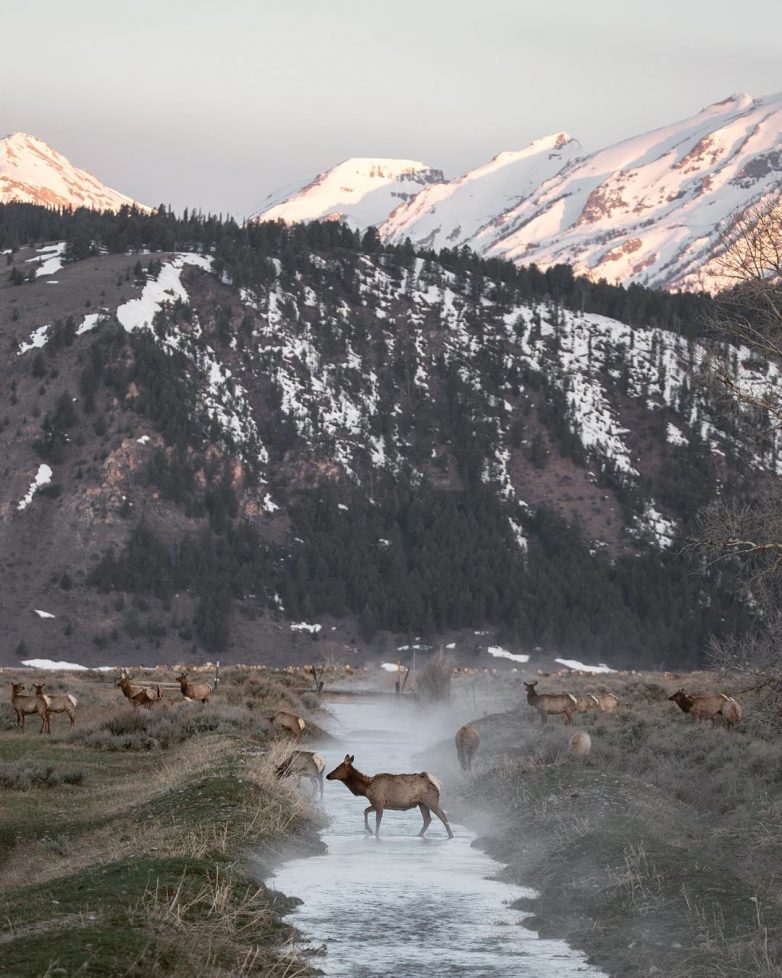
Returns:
<point x="659" y="853"/>
<point x="124" y="843"/>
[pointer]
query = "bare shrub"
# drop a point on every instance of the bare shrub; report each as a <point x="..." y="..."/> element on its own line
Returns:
<point x="24" y="775"/>
<point x="433" y="684"/>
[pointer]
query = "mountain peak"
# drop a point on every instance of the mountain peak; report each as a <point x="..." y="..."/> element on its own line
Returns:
<point x="32" y="171"/>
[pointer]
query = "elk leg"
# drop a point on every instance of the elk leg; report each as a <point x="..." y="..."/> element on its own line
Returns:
<point x="443" y="818"/>
<point x="568" y="719"/>
<point x="371" y="808"/>
<point x="427" y="818"/>
<point x="543" y="717"/>
<point x="378" y="817"/>
<point x="320" y="782"/>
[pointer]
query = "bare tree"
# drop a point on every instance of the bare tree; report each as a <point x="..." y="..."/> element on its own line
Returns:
<point x="744" y="371"/>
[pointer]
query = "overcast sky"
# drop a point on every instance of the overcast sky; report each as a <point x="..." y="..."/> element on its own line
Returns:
<point x="216" y="104"/>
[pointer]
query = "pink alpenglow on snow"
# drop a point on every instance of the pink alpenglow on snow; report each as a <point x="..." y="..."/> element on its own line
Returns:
<point x="32" y="172"/>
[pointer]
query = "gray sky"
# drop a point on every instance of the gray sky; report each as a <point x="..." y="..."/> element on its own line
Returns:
<point x="216" y="104"/>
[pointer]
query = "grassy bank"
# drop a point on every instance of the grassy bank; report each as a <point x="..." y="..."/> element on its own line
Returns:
<point x="124" y="845"/>
<point x="660" y="853"/>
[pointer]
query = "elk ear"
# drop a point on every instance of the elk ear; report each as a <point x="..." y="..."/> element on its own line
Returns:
<point x="352" y="758"/>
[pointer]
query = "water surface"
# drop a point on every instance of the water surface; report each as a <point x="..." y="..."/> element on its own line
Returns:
<point x="400" y="905"/>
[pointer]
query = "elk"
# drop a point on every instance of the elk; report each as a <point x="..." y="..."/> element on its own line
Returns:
<point x="467" y="744"/>
<point x="580" y="743"/>
<point x="288" y="721"/>
<point x="551" y="703"/>
<point x="304" y="764"/>
<point x="58" y="704"/>
<point x="395" y="792"/>
<point x="586" y="703"/>
<point x="607" y="702"/>
<point x="194" y="691"/>
<point x="25" y="705"/>
<point x="712" y="705"/>
<point x="137" y="695"/>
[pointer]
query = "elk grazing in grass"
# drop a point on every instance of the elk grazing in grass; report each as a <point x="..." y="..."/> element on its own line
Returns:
<point x="587" y="702"/>
<point x="580" y="743"/>
<point x="304" y="765"/>
<point x="289" y="722"/>
<point x="712" y="705"/>
<point x="138" y="695"/>
<point x="58" y="704"/>
<point x="467" y="744"/>
<point x="25" y="705"/>
<point x="194" y="691"/>
<point x="395" y="792"/>
<point x="548" y="704"/>
<point x="607" y="702"/>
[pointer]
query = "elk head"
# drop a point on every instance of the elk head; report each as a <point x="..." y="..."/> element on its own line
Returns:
<point x="343" y="772"/>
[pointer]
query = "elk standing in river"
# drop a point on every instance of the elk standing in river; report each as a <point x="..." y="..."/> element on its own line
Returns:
<point x="25" y="705"/>
<point x="467" y="743"/>
<point x="552" y="703"/>
<point x="58" y="704"/>
<point x="395" y="792"/>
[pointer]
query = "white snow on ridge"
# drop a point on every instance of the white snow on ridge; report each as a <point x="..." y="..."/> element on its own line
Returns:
<point x="42" y="477"/>
<point x="651" y="208"/>
<point x="361" y="191"/>
<point x="580" y="667"/>
<point x="90" y="322"/>
<point x="500" y="653"/>
<point x="33" y="172"/>
<point x="304" y="626"/>
<point x="44" y="614"/>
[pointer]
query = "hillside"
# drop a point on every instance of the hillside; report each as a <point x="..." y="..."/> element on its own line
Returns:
<point x="651" y="209"/>
<point x="270" y="444"/>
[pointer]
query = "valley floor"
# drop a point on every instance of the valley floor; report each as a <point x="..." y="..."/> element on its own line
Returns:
<point x="660" y="853"/>
<point x="123" y="845"/>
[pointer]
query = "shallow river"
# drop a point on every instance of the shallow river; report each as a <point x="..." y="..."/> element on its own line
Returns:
<point x="400" y="905"/>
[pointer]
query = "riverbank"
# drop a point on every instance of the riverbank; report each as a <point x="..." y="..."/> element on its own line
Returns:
<point x="123" y="844"/>
<point x="660" y="853"/>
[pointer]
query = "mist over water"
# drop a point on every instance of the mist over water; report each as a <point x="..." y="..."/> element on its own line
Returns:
<point x="402" y="905"/>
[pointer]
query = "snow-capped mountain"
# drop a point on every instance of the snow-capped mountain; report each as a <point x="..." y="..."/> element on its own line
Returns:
<point x="650" y="209"/>
<point x="33" y="172"/>
<point x="361" y="192"/>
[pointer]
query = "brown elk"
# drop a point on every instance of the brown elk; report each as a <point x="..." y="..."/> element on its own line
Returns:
<point x="467" y="744"/>
<point x="587" y="702"/>
<point x="289" y="722"/>
<point x="25" y="705"/>
<point x="607" y="702"/>
<point x="194" y="691"/>
<point x="395" y="792"/>
<point x="304" y="764"/>
<point x="58" y="704"/>
<point x="548" y="704"/>
<point x="138" y="695"/>
<point x="712" y="705"/>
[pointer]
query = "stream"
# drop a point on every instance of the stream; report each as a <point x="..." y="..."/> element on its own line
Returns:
<point x="400" y="905"/>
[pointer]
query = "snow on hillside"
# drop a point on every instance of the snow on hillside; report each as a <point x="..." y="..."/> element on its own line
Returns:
<point x="33" y="172"/>
<point x="650" y="209"/>
<point x="448" y="215"/>
<point x="596" y="363"/>
<point x="359" y="191"/>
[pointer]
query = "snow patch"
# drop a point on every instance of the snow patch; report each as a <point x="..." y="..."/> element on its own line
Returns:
<point x="500" y="653"/>
<point x="43" y="614"/>
<point x="580" y="667"/>
<point x="42" y="477"/>
<point x="304" y="626"/>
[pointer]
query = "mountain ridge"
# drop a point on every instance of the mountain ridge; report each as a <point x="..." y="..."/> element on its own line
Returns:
<point x="652" y="208"/>
<point x="32" y="171"/>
